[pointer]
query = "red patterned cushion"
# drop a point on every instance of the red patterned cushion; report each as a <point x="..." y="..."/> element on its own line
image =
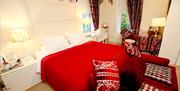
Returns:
<point x="132" y="75"/>
<point x="160" y="73"/>
<point x="125" y="33"/>
<point x="147" y="87"/>
<point x="107" y="75"/>
<point x="131" y="49"/>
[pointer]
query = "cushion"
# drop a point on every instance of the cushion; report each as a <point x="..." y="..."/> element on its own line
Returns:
<point x="107" y="75"/>
<point x="132" y="75"/>
<point x="75" y="38"/>
<point x="147" y="87"/>
<point x="160" y="73"/>
<point x="131" y="49"/>
<point x="155" y="59"/>
<point x="54" y="43"/>
<point x="125" y="33"/>
<point x="128" y="34"/>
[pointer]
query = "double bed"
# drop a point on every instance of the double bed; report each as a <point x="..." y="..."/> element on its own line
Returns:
<point x="70" y="68"/>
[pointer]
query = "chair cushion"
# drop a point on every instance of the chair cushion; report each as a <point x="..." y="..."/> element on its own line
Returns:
<point x="160" y="73"/>
<point x="131" y="49"/>
<point x="107" y="75"/>
<point x="132" y="75"/>
<point x="148" y="87"/>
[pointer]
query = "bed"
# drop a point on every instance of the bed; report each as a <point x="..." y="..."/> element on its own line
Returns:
<point x="72" y="70"/>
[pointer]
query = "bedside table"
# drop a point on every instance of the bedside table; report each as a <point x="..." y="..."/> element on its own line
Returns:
<point x="22" y="77"/>
<point x="100" y="37"/>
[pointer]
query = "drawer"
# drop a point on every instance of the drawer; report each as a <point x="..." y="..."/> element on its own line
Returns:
<point x="21" y="79"/>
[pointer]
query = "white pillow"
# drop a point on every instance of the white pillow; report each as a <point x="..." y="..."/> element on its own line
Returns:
<point x="75" y="38"/>
<point x="54" y="43"/>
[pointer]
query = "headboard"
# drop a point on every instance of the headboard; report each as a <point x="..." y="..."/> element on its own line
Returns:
<point x="51" y="17"/>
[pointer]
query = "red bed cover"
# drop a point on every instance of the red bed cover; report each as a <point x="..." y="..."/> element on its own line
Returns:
<point x="69" y="70"/>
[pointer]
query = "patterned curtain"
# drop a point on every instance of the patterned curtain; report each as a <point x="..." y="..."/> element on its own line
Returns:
<point x="135" y="8"/>
<point x="94" y="5"/>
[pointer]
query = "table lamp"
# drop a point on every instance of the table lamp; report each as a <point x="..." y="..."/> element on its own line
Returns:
<point x="158" y="25"/>
<point x="20" y="36"/>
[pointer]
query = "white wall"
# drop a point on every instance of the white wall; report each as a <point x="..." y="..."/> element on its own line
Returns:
<point x="178" y="60"/>
<point x="11" y="16"/>
<point x="171" y="38"/>
<point x="51" y="17"/>
<point x="152" y="9"/>
<point x="40" y="17"/>
<point x="109" y="14"/>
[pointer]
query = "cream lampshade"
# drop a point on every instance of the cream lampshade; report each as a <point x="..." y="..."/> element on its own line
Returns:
<point x="158" y="22"/>
<point x="19" y="35"/>
<point x="158" y="25"/>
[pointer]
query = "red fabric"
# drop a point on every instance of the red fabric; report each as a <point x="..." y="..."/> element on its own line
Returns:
<point x="135" y="8"/>
<point x="72" y="69"/>
<point x="143" y="42"/>
<point x="148" y="86"/>
<point x="160" y="73"/>
<point x="126" y="34"/>
<point x="132" y="76"/>
<point x="165" y="87"/>
<point x="107" y="75"/>
<point x="94" y="6"/>
<point x="131" y="49"/>
<point x="155" y="59"/>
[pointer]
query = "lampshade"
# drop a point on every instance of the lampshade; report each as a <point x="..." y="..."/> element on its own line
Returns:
<point x="158" y="22"/>
<point x="19" y="35"/>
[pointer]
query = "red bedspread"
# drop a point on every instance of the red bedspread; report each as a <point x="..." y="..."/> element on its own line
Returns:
<point x="71" y="69"/>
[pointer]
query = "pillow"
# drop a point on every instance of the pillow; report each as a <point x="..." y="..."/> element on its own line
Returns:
<point x="125" y="33"/>
<point x="128" y="34"/>
<point x="75" y="38"/>
<point x="148" y="87"/>
<point x="131" y="49"/>
<point x="160" y="73"/>
<point x="132" y="75"/>
<point x="54" y="43"/>
<point x="107" y="75"/>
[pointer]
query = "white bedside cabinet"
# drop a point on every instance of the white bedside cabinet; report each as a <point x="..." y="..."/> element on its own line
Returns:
<point x="23" y="77"/>
<point x="100" y="37"/>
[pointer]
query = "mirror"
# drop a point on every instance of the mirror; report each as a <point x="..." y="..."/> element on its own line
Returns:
<point x="153" y="20"/>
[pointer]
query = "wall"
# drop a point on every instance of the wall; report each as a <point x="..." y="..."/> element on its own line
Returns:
<point x="12" y="15"/>
<point x="40" y="18"/>
<point x="178" y="61"/>
<point x="171" y="38"/>
<point x="152" y="9"/>
<point x="109" y="14"/>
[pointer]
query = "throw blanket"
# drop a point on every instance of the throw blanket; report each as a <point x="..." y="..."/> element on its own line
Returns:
<point x="72" y="69"/>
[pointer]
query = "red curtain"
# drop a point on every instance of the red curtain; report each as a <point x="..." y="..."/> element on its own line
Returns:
<point x="135" y="8"/>
<point x="94" y="6"/>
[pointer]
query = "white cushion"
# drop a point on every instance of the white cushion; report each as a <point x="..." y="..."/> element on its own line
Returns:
<point x="54" y="43"/>
<point x="75" y="38"/>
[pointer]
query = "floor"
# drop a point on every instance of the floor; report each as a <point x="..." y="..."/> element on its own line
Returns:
<point x="43" y="86"/>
